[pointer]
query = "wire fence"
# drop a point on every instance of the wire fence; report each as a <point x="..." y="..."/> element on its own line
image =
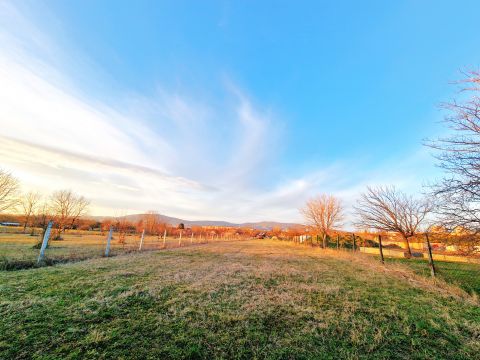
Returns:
<point x="431" y="256"/>
<point x="19" y="250"/>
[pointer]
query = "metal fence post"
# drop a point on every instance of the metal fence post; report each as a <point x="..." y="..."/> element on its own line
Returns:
<point x="45" y="242"/>
<point x="430" y="257"/>
<point x="381" y="248"/>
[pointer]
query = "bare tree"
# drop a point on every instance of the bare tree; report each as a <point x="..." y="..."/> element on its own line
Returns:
<point x="122" y="226"/>
<point x="150" y="222"/>
<point x="67" y="207"/>
<point x="29" y="202"/>
<point x="323" y="212"/>
<point x="458" y="194"/>
<point x="9" y="187"/>
<point x="80" y="207"/>
<point x="43" y="214"/>
<point x="387" y="209"/>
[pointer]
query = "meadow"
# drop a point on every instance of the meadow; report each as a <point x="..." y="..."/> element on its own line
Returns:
<point x="242" y="299"/>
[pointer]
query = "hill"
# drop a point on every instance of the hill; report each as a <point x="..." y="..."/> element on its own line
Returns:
<point x="261" y="225"/>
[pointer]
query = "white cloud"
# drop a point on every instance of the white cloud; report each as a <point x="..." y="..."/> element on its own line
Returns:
<point x="151" y="154"/>
<point x="165" y="151"/>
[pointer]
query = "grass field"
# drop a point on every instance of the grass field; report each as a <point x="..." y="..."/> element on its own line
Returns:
<point x="249" y="299"/>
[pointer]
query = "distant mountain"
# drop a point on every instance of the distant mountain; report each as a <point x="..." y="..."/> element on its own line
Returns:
<point x="269" y="225"/>
<point x="261" y="225"/>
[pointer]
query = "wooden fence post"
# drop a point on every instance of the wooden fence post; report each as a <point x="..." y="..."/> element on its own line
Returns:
<point x="164" y="237"/>
<point x="191" y="239"/>
<point x="338" y="241"/>
<point x="430" y="257"/>
<point x="45" y="242"/>
<point x="109" y="239"/>
<point x="381" y="248"/>
<point x="353" y="240"/>
<point x="180" y="239"/>
<point x="141" y="240"/>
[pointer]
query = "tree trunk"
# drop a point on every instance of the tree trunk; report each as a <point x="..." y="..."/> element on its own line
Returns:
<point x="324" y="240"/>
<point x="25" y="225"/>
<point x="407" y="243"/>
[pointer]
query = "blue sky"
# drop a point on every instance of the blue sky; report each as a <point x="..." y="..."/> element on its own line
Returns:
<point x="227" y="110"/>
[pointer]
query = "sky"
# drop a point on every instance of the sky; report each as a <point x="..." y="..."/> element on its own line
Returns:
<point x="227" y="110"/>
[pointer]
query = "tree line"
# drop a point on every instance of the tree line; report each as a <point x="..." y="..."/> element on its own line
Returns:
<point x="63" y="206"/>
<point x="68" y="211"/>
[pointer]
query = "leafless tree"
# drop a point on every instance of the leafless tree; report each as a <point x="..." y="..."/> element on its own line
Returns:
<point x="150" y="222"/>
<point x="323" y="212"/>
<point x="29" y="202"/>
<point x="121" y="226"/>
<point x="43" y="214"/>
<point x="67" y="207"/>
<point x="458" y="194"/>
<point x="9" y="187"/>
<point x="80" y="207"/>
<point x="387" y="209"/>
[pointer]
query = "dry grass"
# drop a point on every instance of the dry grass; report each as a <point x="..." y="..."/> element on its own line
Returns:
<point x="251" y="299"/>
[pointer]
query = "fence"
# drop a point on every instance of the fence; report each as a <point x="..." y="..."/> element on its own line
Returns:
<point x="438" y="261"/>
<point x="20" y="250"/>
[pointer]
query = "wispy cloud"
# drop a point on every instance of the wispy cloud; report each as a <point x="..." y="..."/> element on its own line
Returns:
<point x="154" y="152"/>
<point x="168" y="151"/>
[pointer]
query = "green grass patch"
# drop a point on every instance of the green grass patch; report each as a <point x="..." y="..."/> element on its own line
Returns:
<point x="464" y="275"/>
